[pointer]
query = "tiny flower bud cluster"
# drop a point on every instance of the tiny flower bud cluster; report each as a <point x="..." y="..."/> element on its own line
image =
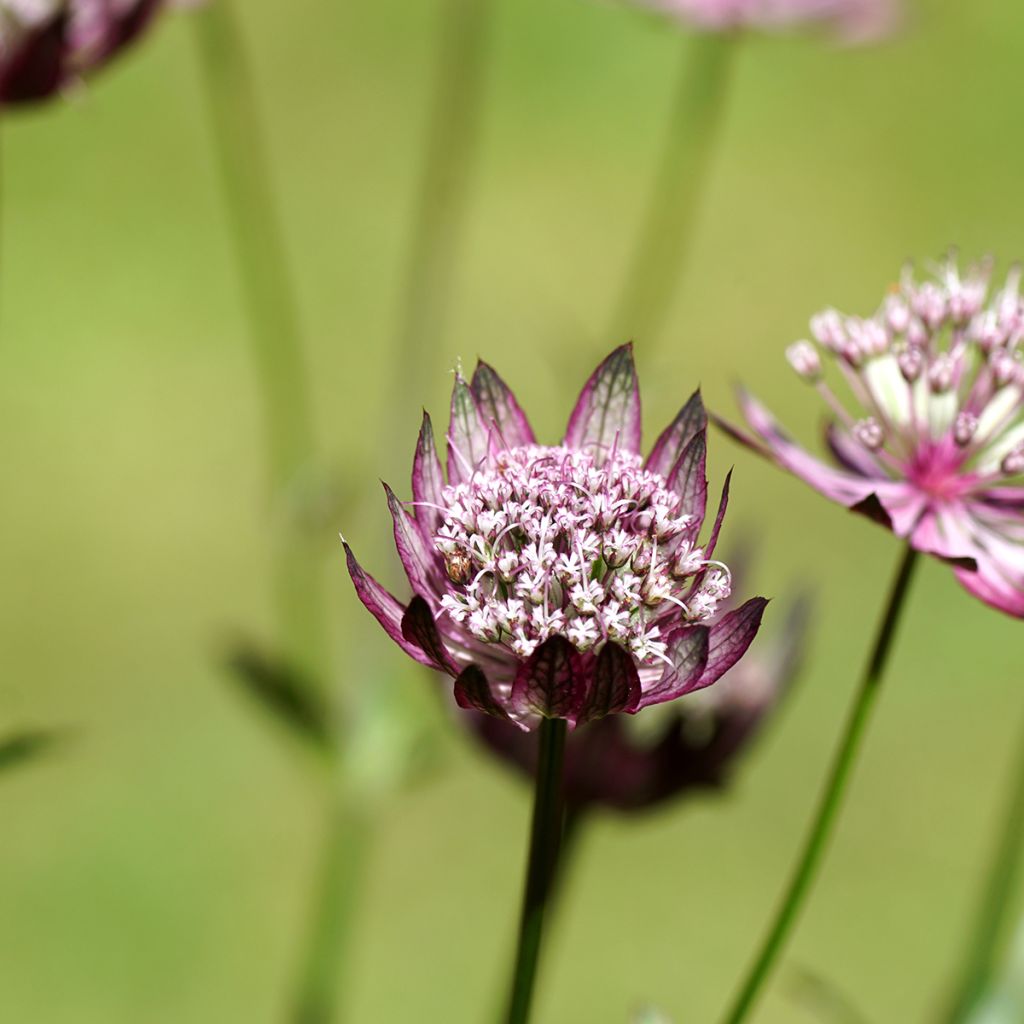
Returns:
<point x="547" y="541"/>
<point x="938" y="372"/>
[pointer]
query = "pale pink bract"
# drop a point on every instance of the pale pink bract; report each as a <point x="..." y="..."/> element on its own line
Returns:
<point x="562" y="581"/>
<point x="935" y="451"/>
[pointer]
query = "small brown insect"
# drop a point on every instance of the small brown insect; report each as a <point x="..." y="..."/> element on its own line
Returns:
<point x="459" y="566"/>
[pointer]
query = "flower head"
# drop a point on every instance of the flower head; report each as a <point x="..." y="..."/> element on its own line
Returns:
<point x="693" y="746"/>
<point x="930" y="439"/>
<point x="565" y="581"/>
<point x="854" y="20"/>
<point x="46" y="45"/>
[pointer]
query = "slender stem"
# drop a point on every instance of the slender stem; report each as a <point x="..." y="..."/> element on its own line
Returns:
<point x="542" y="868"/>
<point x="323" y="967"/>
<point x="271" y="307"/>
<point x="828" y="808"/>
<point x="443" y="191"/>
<point x="661" y="247"/>
<point x="988" y="937"/>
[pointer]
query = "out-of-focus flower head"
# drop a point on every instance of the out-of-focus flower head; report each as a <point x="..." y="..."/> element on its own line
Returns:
<point x="562" y="581"/>
<point x="935" y="447"/>
<point x="695" y="743"/>
<point x="47" y="45"/>
<point x="852" y="20"/>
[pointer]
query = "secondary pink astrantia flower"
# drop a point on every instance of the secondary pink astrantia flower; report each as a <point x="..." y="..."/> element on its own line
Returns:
<point x="854" y="20"/>
<point x="935" y="450"/>
<point x="47" y="45"/>
<point x="562" y="581"/>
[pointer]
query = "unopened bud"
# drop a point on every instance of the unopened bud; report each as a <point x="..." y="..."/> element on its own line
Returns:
<point x="964" y="428"/>
<point x="941" y="373"/>
<point x="1004" y="368"/>
<point x="804" y="358"/>
<point x="911" y="363"/>
<point x="870" y="434"/>
<point x="1013" y="463"/>
<point x="897" y="314"/>
<point x="827" y="328"/>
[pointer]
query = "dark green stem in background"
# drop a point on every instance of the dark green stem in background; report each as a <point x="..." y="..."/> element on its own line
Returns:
<point x="542" y="867"/>
<point x="323" y="972"/>
<point x="987" y="940"/>
<point x="661" y="247"/>
<point x="445" y="176"/>
<point x="272" y="311"/>
<point x="828" y="809"/>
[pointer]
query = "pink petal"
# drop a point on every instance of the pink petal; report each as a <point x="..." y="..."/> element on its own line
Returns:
<point x="420" y="561"/>
<point x="688" y="652"/>
<point x="730" y="638"/>
<point x="419" y="628"/>
<point x="382" y="606"/>
<point x="427" y="480"/>
<point x="551" y="682"/>
<point x="497" y="405"/>
<point x="688" y="479"/>
<point x="473" y="691"/>
<point x="607" y="412"/>
<point x="614" y="685"/>
<point x="691" y="420"/>
<point x="467" y="434"/>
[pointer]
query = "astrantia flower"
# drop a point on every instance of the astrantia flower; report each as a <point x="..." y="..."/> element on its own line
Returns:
<point x="46" y="45"/>
<point x="564" y="581"/>
<point x="852" y="19"/>
<point x="935" y="447"/>
<point x="695" y="743"/>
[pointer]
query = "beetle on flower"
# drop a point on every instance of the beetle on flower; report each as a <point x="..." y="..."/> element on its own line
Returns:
<point x="936" y="452"/>
<point x="562" y="581"/>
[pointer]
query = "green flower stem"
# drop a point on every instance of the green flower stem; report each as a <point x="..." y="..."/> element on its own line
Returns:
<point x="444" y="188"/>
<point x="272" y="312"/>
<point x="323" y="973"/>
<point x="828" y="809"/>
<point x="988" y="938"/>
<point x="542" y="868"/>
<point x="661" y="247"/>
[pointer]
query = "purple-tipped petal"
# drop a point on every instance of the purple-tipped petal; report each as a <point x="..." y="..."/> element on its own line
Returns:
<point x="467" y="434"/>
<point x="472" y="690"/>
<point x="850" y="453"/>
<point x="419" y="628"/>
<point x="551" y="682"/>
<point x="607" y="412"/>
<point x="420" y="561"/>
<point x="691" y="420"/>
<point x="427" y="480"/>
<point x="689" y="480"/>
<point x="497" y="405"/>
<point x="688" y="652"/>
<point x="730" y="639"/>
<point x="716" y="528"/>
<point x="382" y="606"/>
<point x="614" y="687"/>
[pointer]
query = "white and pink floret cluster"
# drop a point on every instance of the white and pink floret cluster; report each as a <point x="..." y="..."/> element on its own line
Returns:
<point x="550" y="542"/>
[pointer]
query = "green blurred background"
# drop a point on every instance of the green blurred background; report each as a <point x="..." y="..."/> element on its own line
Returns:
<point x="156" y="867"/>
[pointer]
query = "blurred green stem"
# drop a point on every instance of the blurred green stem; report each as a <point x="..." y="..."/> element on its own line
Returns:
<point x="662" y="244"/>
<point x="443" y="190"/>
<point x="828" y="809"/>
<point x="988" y="937"/>
<point x="273" y="323"/>
<point x="542" y="866"/>
<point x="323" y="972"/>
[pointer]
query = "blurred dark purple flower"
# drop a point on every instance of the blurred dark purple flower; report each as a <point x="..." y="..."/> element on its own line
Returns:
<point x="936" y="451"/>
<point x="695" y="743"/>
<point x="565" y="581"/>
<point x="47" y="45"/>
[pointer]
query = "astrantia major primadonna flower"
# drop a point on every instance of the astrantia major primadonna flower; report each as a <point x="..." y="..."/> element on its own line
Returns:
<point x="934" y="448"/>
<point x="46" y="45"/>
<point x="693" y="746"/>
<point x="853" y="20"/>
<point x="563" y="581"/>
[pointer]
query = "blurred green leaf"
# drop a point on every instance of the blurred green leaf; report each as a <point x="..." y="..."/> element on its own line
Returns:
<point x="1003" y="1003"/>
<point x="283" y="692"/>
<point x="20" y="747"/>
